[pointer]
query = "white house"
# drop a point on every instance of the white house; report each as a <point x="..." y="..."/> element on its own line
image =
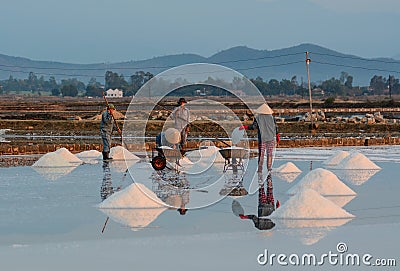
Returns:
<point x="114" y="93"/>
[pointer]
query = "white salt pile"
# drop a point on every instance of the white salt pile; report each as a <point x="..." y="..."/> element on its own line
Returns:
<point x="336" y="158"/>
<point x="60" y="158"/>
<point x="324" y="182"/>
<point x="209" y="153"/>
<point x="90" y="157"/>
<point x="357" y="160"/>
<point x="288" y="167"/>
<point x="92" y="154"/>
<point x="134" y="196"/>
<point x="51" y="159"/>
<point x="134" y="218"/>
<point x="120" y="153"/>
<point x="308" y="204"/>
<point x="68" y="156"/>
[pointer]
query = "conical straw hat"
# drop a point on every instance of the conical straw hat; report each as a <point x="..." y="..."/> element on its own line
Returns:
<point x="264" y="109"/>
<point x="172" y="135"/>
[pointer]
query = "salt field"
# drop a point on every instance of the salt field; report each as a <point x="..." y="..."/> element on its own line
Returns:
<point x="52" y="217"/>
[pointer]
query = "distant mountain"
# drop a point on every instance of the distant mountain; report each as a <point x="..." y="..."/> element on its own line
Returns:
<point x="274" y="64"/>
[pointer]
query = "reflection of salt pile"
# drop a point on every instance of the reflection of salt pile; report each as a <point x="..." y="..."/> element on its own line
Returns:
<point x="356" y="168"/>
<point x="310" y="231"/>
<point x="287" y="172"/>
<point x="134" y="218"/>
<point x="324" y="182"/>
<point x="54" y="165"/>
<point x="89" y="157"/>
<point x="134" y="196"/>
<point x="308" y="204"/>
<point x="120" y="153"/>
<point x="336" y="158"/>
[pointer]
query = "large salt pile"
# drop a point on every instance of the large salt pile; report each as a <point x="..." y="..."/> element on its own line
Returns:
<point x="336" y="158"/>
<point x="120" y="153"/>
<point x="324" y="182"/>
<point x="357" y="160"/>
<point x="309" y="204"/>
<point x="134" y="218"/>
<point x="134" y="196"/>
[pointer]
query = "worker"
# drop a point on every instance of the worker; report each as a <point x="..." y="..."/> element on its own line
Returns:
<point x="107" y="126"/>
<point x="268" y="134"/>
<point x="181" y="116"/>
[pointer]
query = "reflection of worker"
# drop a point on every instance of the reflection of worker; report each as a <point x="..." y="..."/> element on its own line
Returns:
<point x="264" y="122"/>
<point x="266" y="206"/>
<point x="181" y="116"/>
<point x="107" y="126"/>
<point x="172" y="188"/>
<point x="106" y="188"/>
<point x="170" y="138"/>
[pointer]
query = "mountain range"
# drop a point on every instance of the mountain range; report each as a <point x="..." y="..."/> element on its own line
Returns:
<point x="267" y="64"/>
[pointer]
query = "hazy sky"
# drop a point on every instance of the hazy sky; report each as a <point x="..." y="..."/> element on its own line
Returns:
<point x="92" y="31"/>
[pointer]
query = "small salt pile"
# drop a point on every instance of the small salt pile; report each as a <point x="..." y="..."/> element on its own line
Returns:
<point x="324" y="182"/>
<point x="120" y="153"/>
<point x="309" y="204"/>
<point x="210" y="153"/>
<point x="60" y="158"/>
<point x="89" y="157"/>
<point x="357" y="160"/>
<point x="288" y="167"/>
<point x="68" y="156"/>
<point x="134" y="196"/>
<point x="336" y="158"/>
<point x="287" y="172"/>
<point x="92" y="154"/>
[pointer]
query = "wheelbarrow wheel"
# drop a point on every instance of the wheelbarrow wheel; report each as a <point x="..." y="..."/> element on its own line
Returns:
<point x="159" y="162"/>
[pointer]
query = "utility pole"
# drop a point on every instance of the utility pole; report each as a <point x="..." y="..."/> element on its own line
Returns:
<point x="308" y="60"/>
<point x="390" y="87"/>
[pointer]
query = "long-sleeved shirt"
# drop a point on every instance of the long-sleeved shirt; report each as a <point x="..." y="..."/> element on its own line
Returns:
<point x="181" y="116"/>
<point x="266" y="126"/>
<point x="107" y="124"/>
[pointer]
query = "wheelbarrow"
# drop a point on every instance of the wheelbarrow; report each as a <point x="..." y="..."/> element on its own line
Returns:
<point x="160" y="155"/>
<point x="234" y="158"/>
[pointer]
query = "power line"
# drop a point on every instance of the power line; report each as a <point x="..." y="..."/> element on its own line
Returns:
<point x="355" y="67"/>
<point x="359" y="58"/>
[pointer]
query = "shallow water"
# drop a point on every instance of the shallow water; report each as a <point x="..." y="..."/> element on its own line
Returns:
<point x="51" y="222"/>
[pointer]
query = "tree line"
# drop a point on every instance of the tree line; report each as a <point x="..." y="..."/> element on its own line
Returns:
<point x="342" y="86"/>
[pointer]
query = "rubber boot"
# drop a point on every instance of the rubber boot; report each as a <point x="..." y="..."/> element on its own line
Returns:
<point x="106" y="156"/>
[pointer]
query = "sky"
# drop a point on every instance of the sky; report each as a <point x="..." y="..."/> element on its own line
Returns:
<point x="96" y="31"/>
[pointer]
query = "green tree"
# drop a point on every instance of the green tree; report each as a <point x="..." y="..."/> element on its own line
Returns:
<point x="69" y="90"/>
<point x="377" y="84"/>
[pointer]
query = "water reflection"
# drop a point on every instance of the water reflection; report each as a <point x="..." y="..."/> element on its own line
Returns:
<point x="172" y="188"/>
<point x="233" y="186"/>
<point x="266" y="206"/>
<point x="54" y="173"/>
<point x="355" y="176"/>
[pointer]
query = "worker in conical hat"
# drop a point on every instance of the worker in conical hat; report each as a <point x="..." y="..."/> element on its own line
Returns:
<point x="268" y="134"/>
